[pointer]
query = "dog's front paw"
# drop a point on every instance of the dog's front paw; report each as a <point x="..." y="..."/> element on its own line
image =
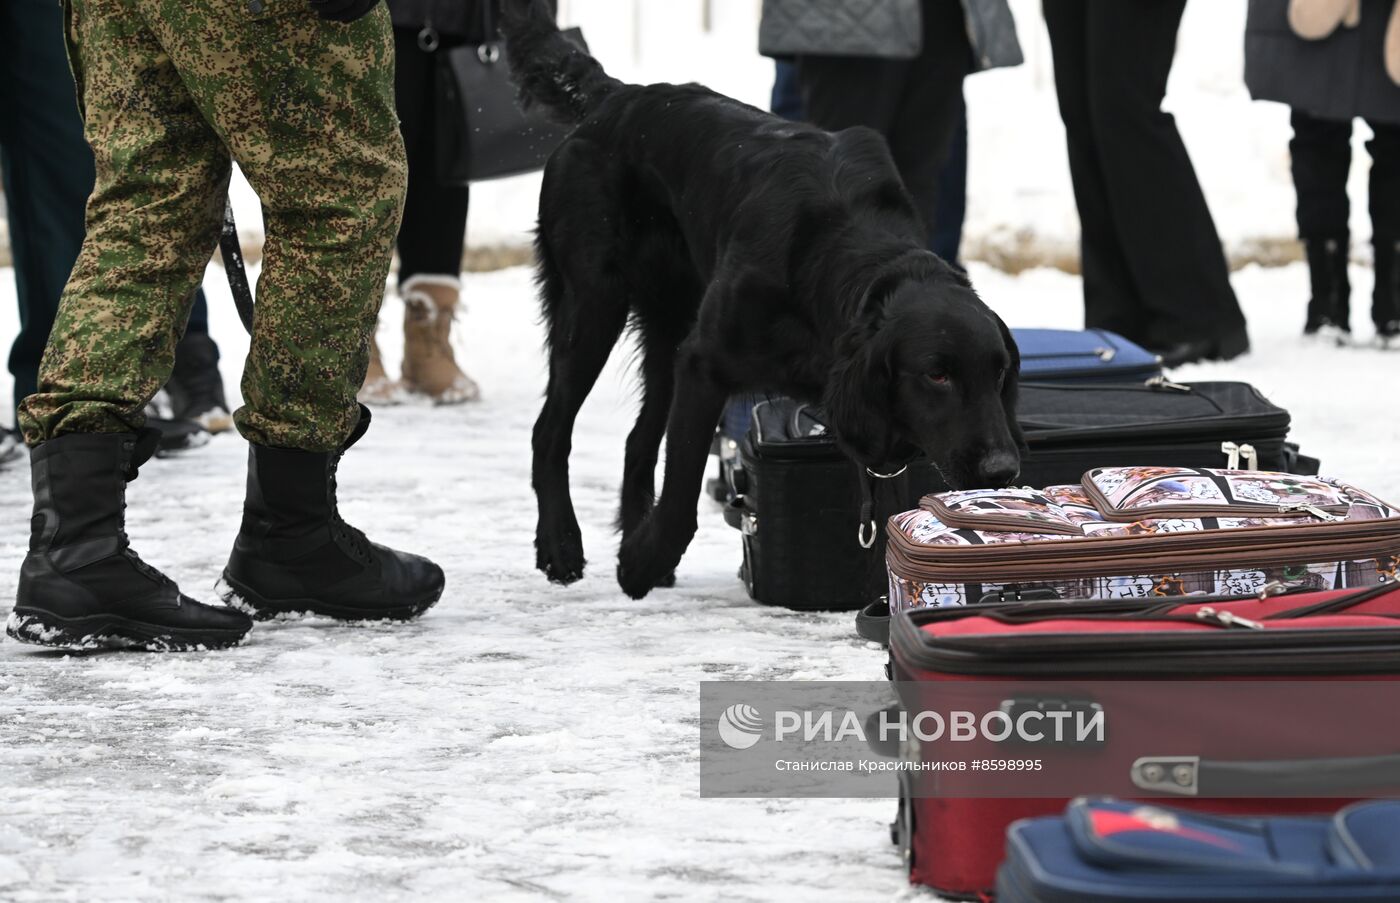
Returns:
<point x="560" y="556"/>
<point x="641" y="567"/>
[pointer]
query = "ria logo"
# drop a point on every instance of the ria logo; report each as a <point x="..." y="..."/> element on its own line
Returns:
<point x="740" y="726"/>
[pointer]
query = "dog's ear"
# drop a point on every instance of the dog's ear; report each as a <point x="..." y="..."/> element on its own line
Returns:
<point x="1010" y="389"/>
<point x="858" y="399"/>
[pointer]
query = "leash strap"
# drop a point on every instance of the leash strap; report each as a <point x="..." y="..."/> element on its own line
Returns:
<point x="233" y="267"/>
<point x="869" y="531"/>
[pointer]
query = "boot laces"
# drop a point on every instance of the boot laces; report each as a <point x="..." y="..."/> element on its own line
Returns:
<point x="134" y="557"/>
<point x="351" y="538"/>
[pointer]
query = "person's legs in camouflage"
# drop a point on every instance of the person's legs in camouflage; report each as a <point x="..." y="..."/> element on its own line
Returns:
<point x="306" y="108"/>
<point x="152" y="223"/>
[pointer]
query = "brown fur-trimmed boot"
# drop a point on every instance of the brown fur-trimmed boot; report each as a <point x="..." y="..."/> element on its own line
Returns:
<point x="378" y="388"/>
<point x="429" y="366"/>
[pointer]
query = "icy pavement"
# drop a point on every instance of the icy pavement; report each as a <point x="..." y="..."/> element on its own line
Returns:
<point x="523" y="740"/>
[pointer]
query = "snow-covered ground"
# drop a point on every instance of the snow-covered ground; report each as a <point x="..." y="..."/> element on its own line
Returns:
<point x="528" y="741"/>
<point x="523" y="741"/>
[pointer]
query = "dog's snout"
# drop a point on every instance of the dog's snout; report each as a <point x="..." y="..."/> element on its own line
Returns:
<point x="998" y="469"/>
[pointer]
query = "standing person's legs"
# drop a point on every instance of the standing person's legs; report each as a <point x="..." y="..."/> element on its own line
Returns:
<point x="1321" y="153"/>
<point x="1165" y="228"/>
<point x="1384" y="148"/>
<point x="930" y="103"/>
<point x="307" y="108"/>
<point x="786" y="100"/>
<point x="433" y="234"/>
<point x="1111" y="299"/>
<point x="195" y="387"/>
<point x="153" y="221"/>
<point x="842" y="92"/>
<point x="48" y="172"/>
<point x="952" y="197"/>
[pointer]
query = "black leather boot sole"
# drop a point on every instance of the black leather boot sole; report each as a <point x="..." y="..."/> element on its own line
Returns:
<point x="242" y="598"/>
<point x="114" y="632"/>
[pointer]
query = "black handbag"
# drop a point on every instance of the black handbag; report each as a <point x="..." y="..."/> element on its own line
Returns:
<point x="483" y="133"/>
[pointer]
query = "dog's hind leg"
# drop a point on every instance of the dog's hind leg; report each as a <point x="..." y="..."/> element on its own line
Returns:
<point x="651" y="551"/>
<point x="586" y="309"/>
<point x="577" y="354"/>
<point x="644" y="442"/>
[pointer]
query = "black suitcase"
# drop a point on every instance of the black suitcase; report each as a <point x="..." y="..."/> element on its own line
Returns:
<point x="796" y="499"/>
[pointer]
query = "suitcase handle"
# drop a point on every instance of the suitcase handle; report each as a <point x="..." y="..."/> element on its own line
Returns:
<point x="873" y="621"/>
<point x="738" y="516"/>
<point x="1194" y="776"/>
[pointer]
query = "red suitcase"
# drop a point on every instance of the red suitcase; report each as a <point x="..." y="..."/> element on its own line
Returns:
<point x="955" y="845"/>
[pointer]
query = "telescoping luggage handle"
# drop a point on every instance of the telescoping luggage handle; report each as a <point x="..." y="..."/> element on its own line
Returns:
<point x="1194" y="776"/>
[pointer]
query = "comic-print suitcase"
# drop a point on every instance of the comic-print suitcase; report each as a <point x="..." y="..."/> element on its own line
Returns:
<point x="1141" y="532"/>
<point x="955" y="844"/>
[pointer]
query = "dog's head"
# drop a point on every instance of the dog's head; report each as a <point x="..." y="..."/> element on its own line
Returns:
<point x="927" y="367"/>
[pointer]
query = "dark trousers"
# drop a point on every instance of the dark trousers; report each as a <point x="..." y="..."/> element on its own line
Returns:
<point x="915" y="104"/>
<point x="1321" y="164"/>
<point x="433" y="234"/>
<point x="48" y="175"/>
<point x="951" y="213"/>
<point x="1154" y="269"/>
<point x="48" y="172"/>
<point x="1321" y="150"/>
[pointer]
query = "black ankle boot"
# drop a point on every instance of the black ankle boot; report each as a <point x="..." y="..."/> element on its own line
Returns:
<point x="295" y="556"/>
<point x="195" y="387"/>
<point x="1329" y="310"/>
<point x="81" y="585"/>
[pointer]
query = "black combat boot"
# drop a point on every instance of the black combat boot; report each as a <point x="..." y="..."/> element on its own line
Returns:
<point x="295" y="556"/>
<point x="195" y="387"/>
<point x="1329" y="311"/>
<point x="82" y="586"/>
<point x="1385" y="301"/>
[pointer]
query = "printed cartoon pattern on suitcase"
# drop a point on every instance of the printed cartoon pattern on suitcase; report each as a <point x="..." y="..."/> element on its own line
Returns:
<point x="905" y="593"/>
<point x="1139" y="501"/>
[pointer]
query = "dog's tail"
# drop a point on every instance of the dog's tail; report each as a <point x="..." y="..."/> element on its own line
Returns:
<point x="549" y="69"/>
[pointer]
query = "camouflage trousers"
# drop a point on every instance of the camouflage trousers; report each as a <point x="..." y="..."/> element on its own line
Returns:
<point x="171" y="90"/>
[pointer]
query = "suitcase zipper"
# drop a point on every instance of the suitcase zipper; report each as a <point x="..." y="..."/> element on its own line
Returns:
<point x="1226" y="651"/>
<point x="1254" y="547"/>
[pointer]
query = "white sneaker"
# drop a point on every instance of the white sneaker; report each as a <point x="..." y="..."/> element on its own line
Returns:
<point x="1329" y="334"/>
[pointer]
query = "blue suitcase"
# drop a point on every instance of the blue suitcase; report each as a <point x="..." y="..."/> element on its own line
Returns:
<point x="1090" y="356"/>
<point x="1110" y="851"/>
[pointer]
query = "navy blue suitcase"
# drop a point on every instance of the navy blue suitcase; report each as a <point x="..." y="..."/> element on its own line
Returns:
<point x="1090" y="356"/>
<point x="1110" y="851"/>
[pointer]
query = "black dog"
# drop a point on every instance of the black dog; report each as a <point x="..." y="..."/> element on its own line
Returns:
<point x="748" y="254"/>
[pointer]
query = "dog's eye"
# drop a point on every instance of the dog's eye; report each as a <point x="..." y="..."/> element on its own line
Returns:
<point x="938" y="378"/>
